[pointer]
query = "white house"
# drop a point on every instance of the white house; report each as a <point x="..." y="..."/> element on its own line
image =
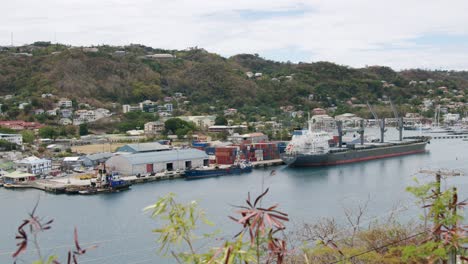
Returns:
<point x="201" y="121"/>
<point x="64" y="102"/>
<point x="154" y="128"/>
<point x="451" y="117"/>
<point x="12" y="138"/>
<point x="34" y="165"/>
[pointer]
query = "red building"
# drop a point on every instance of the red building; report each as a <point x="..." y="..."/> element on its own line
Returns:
<point x="20" y="125"/>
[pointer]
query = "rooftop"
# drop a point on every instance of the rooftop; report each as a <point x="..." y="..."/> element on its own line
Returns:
<point x="165" y="156"/>
<point x="144" y="147"/>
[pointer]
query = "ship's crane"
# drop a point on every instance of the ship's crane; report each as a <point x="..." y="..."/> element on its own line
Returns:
<point x="399" y="120"/>
<point x="381" y="123"/>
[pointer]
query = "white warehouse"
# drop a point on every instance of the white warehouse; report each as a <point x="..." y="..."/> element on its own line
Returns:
<point x="148" y="162"/>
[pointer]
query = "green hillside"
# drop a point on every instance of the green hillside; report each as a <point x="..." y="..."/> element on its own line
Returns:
<point x="206" y="79"/>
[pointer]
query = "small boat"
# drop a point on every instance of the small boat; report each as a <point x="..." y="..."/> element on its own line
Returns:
<point x="203" y="172"/>
<point x="88" y="191"/>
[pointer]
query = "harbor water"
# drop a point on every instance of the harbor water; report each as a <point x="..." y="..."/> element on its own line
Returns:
<point x="117" y="224"/>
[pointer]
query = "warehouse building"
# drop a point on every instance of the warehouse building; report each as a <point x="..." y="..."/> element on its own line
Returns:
<point x="148" y="162"/>
<point x="143" y="147"/>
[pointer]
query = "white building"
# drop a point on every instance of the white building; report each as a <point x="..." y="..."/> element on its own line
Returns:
<point x="22" y="105"/>
<point x="149" y="162"/>
<point x="34" y="165"/>
<point x="169" y="107"/>
<point x="451" y="117"/>
<point x="202" y="121"/>
<point x="64" y="102"/>
<point x="129" y="108"/>
<point x="12" y="138"/>
<point x="52" y="112"/>
<point x="154" y="128"/>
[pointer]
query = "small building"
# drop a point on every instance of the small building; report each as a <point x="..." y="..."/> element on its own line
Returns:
<point x="34" y="165"/>
<point x="64" y="102"/>
<point x="143" y="147"/>
<point x="202" y="121"/>
<point x="130" y="108"/>
<point x="66" y="113"/>
<point x="65" y="121"/>
<point x="150" y="162"/>
<point x="230" y="111"/>
<point x="248" y="138"/>
<point x="160" y="56"/>
<point x="18" y="177"/>
<point x="169" y="107"/>
<point x="319" y="111"/>
<point x="20" y="124"/>
<point x="92" y="160"/>
<point x="39" y="111"/>
<point x="154" y="128"/>
<point x="324" y="122"/>
<point x="349" y="119"/>
<point x="12" y="138"/>
<point x="229" y="129"/>
<point x="52" y="112"/>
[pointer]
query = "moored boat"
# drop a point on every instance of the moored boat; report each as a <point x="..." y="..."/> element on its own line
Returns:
<point x="239" y="168"/>
<point x="309" y="148"/>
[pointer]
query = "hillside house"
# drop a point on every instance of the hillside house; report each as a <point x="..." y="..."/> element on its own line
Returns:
<point x="154" y="128"/>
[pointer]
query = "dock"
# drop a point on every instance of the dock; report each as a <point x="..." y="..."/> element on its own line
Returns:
<point x="450" y="137"/>
<point x="72" y="184"/>
<point x="151" y="178"/>
<point x="267" y="163"/>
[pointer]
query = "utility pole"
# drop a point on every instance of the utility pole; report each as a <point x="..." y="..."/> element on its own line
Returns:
<point x="452" y="254"/>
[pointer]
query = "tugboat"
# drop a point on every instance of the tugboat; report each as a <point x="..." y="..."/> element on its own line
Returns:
<point x="203" y="172"/>
<point x="106" y="183"/>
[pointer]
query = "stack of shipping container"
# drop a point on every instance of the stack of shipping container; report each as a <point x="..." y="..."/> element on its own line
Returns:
<point x="252" y="152"/>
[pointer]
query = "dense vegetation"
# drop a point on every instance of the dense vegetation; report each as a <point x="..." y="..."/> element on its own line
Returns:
<point x="209" y="81"/>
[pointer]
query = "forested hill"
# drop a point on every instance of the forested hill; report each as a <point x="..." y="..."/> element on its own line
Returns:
<point x="125" y="75"/>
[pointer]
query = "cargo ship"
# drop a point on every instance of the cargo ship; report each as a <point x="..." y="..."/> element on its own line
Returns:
<point x="312" y="148"/>
<point x="203" y="172"/>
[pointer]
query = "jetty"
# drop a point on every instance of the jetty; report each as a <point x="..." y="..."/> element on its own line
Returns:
<point x="267" y="163"/>
<point x="450" y="137"/>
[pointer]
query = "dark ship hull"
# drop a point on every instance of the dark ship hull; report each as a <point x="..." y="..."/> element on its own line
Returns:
<point x="203" y="173"/>
<point x="357" y="153"/>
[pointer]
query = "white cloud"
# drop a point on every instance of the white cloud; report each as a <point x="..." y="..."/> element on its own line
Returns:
<point x="352" y="32"/>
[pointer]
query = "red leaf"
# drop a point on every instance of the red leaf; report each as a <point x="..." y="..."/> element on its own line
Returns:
<point x="260" y="196"/>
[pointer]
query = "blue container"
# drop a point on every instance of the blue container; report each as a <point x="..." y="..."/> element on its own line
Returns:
<point x="210" y="150"/>
<point x="200" y="144"/>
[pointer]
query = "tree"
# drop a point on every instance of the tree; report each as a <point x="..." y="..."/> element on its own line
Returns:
<point x="5" y="145"/>
<point x="83" y="129"/>
<point x="7" y="130"/>
<point x="221" y="121"/>
<point x="178" y="126"/>
<point x="28" y="136"/>
<point x="48" y="132"/>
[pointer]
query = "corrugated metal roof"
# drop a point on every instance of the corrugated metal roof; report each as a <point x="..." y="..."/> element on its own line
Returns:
<point x="98" y="156"/>
<point x="144" y="147"/>
<point x="165" y="156"/>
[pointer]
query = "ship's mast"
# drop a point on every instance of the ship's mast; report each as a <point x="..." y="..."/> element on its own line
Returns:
<point x="381" y="123"/>
<point x="399" y="120"/>
<point x="339" y="126"/>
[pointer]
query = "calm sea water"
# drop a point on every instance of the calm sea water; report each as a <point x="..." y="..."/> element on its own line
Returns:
<point x="118" y="225"/>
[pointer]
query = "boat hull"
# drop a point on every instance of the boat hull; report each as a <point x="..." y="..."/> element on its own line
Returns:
<point x="194" y="174"/>
<point x="354" y="155"/>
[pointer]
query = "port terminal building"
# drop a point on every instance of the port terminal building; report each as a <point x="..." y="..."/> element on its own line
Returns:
<point x="153" y="162"/>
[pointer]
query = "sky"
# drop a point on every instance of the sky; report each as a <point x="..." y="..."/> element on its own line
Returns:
<point x="401" y="34"/>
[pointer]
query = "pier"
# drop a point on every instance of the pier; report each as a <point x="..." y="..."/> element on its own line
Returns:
<point x="267" y="163"/>
<point x="451" y="137"/>
<point x="72" y="184"/>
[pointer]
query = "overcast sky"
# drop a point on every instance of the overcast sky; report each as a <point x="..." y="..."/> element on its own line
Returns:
<point x="398" y="33"/>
